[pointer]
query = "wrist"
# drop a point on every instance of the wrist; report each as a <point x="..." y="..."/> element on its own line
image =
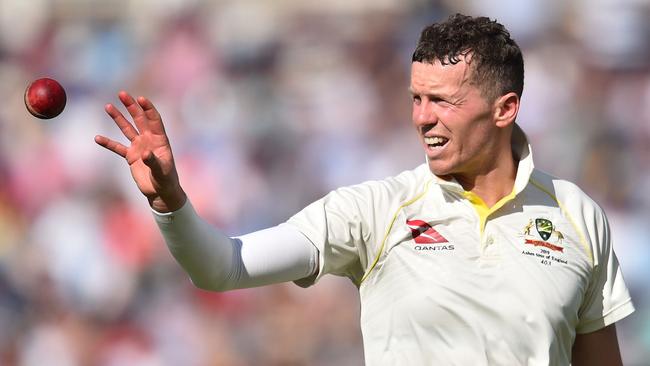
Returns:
<point x="168" y="203"/>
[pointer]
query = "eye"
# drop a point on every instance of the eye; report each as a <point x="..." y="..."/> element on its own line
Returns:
<point x="441" y="102"/>
<point x="417" y="100"/>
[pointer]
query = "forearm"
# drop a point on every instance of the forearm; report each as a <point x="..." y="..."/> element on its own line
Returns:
<point x="217" y="262"/>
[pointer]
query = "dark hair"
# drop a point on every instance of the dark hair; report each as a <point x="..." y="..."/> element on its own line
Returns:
<point x="497" y="63"/>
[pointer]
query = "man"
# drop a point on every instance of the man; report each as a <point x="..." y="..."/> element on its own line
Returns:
<point x="473" y="258"/>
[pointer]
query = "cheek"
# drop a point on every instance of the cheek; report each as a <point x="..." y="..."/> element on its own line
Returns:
<point x="446" y="114"/>
<point x="476" y="139"/>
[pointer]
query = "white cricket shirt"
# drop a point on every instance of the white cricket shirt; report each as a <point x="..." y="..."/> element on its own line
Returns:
<point x="445" y="280"/>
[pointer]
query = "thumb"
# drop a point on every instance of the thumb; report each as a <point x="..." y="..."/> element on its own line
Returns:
<point x="150" y="160"/>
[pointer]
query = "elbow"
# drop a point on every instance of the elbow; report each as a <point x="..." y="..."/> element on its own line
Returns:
<point x="210" y="284"/>
<point x="217" y="268"/>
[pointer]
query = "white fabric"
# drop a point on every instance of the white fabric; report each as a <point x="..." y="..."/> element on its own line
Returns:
<point x="436" y="290"/>
<point x="217" y="262"/>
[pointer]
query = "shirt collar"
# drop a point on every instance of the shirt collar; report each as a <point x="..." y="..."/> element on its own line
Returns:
<point x="524" y="153"/>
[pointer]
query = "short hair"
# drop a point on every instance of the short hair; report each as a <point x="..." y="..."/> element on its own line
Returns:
<point x="496" y="59"/>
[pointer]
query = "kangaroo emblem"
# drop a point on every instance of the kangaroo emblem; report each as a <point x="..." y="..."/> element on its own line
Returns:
<point x="528" y="227"/>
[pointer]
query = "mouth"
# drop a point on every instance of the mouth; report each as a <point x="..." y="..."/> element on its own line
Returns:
<point x="435" y="142"/>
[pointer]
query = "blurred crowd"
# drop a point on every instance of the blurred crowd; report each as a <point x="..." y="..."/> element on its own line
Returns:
<point x="269" y="105"/>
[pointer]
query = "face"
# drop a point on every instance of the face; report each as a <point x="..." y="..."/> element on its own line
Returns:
<point x="453" y="120"/>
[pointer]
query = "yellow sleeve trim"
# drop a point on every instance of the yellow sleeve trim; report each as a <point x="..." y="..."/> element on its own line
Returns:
<point x="585" y="245"/>
<point x="390" y="227"/>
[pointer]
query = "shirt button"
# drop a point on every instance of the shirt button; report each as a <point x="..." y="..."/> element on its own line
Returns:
<point x="490" y="240"/>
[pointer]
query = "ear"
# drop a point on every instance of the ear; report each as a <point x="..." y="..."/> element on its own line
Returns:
<point x="506" y="108"/>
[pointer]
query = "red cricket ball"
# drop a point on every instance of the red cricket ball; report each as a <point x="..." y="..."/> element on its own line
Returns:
<point x="45" y="98"/>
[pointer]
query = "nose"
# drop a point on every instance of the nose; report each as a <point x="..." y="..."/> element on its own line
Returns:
<point x="424" y="114"/>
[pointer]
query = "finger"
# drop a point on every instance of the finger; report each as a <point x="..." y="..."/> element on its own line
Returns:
<point x="125" y="126"/>
<point x="150" y="160"/>
<point x="111" y="145"/>
<point x="155" y="121"/>
<point x="134" y="110"/>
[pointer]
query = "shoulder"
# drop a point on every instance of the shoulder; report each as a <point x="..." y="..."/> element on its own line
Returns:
<point x="566" y="193"/>
<point x="580" y="209"/>
<point x="398" y="188"/>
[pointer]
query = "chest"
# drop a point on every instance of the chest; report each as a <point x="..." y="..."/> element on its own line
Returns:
<point x="526" y="265"/>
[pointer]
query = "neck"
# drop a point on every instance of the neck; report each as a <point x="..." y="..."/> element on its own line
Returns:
<point x="494" y="181"/>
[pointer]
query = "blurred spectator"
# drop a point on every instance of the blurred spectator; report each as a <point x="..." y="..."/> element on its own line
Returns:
<point x="269" y="106"/>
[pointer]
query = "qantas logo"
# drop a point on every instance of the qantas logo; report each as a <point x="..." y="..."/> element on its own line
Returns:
<point x="423" y="233"/>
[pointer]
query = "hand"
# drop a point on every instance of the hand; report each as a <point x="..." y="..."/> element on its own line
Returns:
<point x="149" y="155"/>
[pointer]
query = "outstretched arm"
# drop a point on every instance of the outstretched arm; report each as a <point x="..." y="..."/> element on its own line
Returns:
<point x="213" y="260"/>
<point x="597" y="348"/>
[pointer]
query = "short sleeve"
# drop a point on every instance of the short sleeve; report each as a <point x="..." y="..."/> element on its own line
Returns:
<point x="607" y="299"/>
<point x="337" y="225"/>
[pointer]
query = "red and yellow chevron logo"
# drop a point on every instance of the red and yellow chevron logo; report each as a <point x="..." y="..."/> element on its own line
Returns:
<point x="423" y="233"/>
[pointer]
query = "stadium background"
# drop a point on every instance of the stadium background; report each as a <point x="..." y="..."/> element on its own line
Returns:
<point x="269" y="105"/>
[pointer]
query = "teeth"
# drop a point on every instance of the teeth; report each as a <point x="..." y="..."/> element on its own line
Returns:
<point x="434" y="140"/>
